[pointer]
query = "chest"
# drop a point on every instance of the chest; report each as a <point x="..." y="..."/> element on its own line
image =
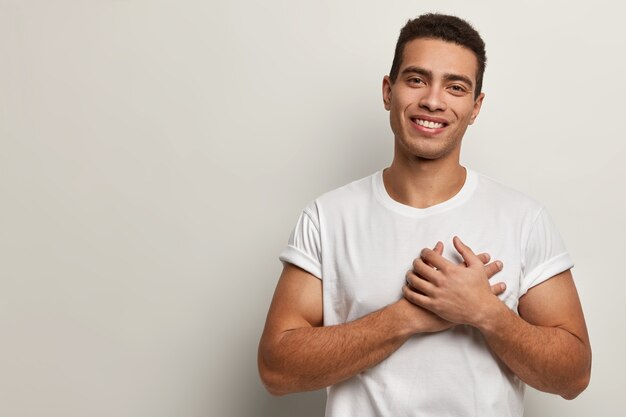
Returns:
<point x="366" y="260"/>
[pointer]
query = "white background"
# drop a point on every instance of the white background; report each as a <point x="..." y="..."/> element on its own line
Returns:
<point x="154" y="156"/>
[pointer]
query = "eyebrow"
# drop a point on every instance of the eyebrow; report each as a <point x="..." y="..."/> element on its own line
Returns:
<point x="429" y="74"/>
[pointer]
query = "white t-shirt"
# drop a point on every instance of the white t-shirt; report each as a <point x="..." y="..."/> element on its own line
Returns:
<point x="360" y="243"/>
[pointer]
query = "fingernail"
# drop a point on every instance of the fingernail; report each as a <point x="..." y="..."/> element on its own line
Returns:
<point x="499" y="265"/>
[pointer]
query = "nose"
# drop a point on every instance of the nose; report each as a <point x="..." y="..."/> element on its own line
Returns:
<point x="433" y="99"/>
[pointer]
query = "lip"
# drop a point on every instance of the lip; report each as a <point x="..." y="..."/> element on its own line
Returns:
<point x="426" y="130"/>
<point x="430" y="119"/>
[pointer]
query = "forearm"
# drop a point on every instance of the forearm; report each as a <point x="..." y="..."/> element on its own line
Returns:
<point x="311" y="358"/>
<point x="550" y="359"/>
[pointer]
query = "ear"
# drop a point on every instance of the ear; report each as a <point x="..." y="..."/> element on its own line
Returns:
<point x="477" y="104"/>
<point x="387" y="84"/>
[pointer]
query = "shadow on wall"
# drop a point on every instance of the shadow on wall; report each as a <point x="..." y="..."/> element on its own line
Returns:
<point x="308" y="404"/>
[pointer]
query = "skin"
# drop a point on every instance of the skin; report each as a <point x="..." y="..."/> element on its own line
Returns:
<point x="547" y="345"/>
<point x="334" y="353"/>
<point x="425" y="168"/>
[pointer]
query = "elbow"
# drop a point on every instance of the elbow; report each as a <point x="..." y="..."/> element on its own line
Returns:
<point x="274" y="382"/>
<point x="274" y="390"/>
<point x="573" y="392"/>
<point x="576" y="387"/>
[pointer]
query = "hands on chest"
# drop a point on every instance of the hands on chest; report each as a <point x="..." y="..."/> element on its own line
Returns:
<point x="458" y="293"/>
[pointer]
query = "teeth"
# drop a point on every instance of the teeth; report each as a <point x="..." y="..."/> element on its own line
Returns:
<point x="429" y="124"/>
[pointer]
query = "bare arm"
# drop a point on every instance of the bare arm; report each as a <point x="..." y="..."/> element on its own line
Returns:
<point x="547" y="346"/>
<point x="297" y="353"/>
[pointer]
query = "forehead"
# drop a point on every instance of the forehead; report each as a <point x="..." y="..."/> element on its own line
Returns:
<point x="440" y="57"/>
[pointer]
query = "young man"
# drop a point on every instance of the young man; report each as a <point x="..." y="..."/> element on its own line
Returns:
<point x="393" y="328"/>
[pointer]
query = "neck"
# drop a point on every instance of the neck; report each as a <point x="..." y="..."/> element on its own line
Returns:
<point x="423" y="183"/>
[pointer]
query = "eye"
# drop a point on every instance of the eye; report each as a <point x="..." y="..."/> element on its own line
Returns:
<point x="458" y="89"/>
<point x="416" y="81"/>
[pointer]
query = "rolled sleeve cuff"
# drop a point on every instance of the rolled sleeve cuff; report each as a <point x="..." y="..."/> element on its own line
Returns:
<point x="546" y="270"/>
<point x="294" y="256"/>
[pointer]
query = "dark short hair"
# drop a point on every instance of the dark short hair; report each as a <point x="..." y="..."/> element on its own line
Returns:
<point x="447" y="28"/>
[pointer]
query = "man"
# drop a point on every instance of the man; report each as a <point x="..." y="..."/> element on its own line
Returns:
<point x="393" y="328"/>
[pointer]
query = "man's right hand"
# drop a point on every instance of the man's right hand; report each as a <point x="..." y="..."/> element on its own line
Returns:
<point x="298" y="353"/>
<point x="428" y="322"/>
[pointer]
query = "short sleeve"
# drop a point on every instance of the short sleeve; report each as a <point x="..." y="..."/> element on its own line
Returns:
<point x="304" y="245"/>
<point x="544" y="255"/>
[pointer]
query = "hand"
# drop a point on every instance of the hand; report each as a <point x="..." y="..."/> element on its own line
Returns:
<point x="458" y="293"/>
<point x="496" y="289"/>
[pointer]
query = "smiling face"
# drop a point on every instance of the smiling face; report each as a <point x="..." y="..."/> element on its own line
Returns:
<point x="431" y="102"/>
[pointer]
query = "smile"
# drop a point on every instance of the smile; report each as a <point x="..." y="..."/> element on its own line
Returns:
<point x="429" y="123"/>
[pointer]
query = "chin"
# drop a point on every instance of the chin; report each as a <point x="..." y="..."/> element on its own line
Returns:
<point x="427" y="154"/>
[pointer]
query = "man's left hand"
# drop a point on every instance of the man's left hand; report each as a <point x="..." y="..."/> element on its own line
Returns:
<point x="459" y="293"/>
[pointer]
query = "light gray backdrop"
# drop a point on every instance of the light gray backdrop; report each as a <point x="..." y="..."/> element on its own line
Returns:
<point x="154" y="156"/>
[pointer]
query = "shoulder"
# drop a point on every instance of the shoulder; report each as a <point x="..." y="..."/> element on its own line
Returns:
<point x="494" y="192"/>
<point x="355" y="193"/>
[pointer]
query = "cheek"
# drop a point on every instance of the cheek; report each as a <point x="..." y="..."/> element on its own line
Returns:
<point x="400" y="107"/>
<point x="464" y="113"/>
<point x="395" y="112"/>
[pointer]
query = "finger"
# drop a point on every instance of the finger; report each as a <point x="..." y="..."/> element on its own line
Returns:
<point x="468" y="256"/>
<point x="493" y="268"/>
<point x="498" y="288"/>
<point x="439" y="248"/>
<point x="415" y="298"/>
<point x="434" y="259"/>
<point x="484" y="258"/>
<point x="425" y="271"/>
<point x="419" y="284"/>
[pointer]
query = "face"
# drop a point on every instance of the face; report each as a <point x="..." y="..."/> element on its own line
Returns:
<point x="431" y="103"/>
